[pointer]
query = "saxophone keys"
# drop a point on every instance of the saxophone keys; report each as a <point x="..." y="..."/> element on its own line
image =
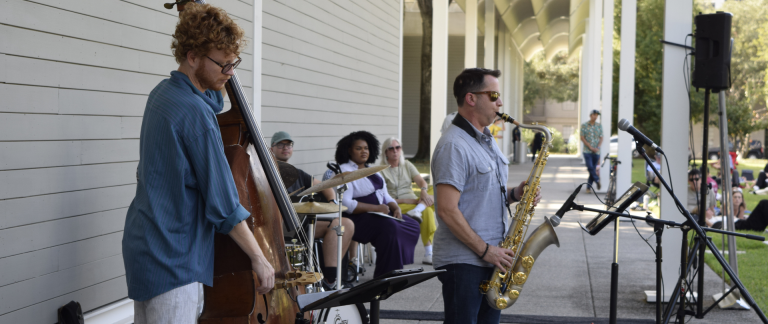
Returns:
<point x="514" y="294"/>
<point x="484" y="286"/>
<point x="520" y="278"/>
<point x="501" y="303"/>
<point x="528" y="262"/>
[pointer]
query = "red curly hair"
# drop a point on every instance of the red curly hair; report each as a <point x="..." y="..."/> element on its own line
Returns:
<point x="202" y="28"/>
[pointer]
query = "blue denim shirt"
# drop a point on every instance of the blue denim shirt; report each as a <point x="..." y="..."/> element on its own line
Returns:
<point x="184" y="192"/>
<point x="470" y="161"/>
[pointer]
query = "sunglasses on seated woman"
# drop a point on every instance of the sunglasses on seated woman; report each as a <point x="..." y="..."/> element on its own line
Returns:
<point x="493" y="95"/>
<point x="394" y="148"/>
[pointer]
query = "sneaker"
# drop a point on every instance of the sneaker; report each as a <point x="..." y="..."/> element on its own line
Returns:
<point x="589" y="191"/>
<point x="328" y="286"/>
<point x="415" y="215"/>
<point x="598" y="185"/>
<point x="427" y="259"/>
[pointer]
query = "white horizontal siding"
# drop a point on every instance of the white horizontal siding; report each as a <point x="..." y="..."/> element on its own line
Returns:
<point x="44" y="208"/>
<point x="330" y="67"/>
<point x="70" y="121"/>
<point x="74" y="78"/>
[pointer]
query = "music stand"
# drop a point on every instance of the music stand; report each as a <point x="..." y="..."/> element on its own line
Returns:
<point x="372" y="292"/>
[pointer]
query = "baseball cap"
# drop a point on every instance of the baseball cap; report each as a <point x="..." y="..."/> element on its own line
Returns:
<point x="594" y="111"/>
<point x="279" y="137"/>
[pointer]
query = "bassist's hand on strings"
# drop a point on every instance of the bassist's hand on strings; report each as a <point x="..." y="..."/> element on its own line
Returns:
<point x="264" y="272"/>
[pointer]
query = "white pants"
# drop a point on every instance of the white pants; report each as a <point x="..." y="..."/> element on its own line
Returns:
<point x="182" y="305"/>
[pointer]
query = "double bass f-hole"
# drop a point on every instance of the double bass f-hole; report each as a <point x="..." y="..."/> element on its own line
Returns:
<point x="262" y="319"/>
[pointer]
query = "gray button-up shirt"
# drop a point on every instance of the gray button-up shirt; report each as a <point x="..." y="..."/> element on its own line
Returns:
<point x="470" y="161"/>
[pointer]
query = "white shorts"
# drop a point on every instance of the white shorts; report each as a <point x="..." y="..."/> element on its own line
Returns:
<point x="181" y="305"/>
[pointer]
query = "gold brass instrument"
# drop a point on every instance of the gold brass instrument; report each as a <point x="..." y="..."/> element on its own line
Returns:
<point x="503" y="288"/>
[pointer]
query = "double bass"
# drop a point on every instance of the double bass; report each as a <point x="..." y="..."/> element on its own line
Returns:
<point x="233" y="297"/>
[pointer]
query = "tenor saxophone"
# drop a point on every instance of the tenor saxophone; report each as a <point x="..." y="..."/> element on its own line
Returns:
<point x="503" y="288"/>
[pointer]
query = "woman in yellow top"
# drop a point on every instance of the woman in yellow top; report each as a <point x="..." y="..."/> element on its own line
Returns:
<point x="497" y="129"/>
<point x="399" y="176"/>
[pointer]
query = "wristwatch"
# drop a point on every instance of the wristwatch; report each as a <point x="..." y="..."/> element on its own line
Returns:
<point x="424" y="189"/>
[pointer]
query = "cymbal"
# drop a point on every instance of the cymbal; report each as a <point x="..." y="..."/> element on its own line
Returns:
<point x="344" y="177"/>
<point x="288" y="173"/>
<point x="314" y="208"/>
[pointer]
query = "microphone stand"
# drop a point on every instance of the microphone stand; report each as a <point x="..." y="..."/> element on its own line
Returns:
<point x="658" y="227"/>
<point x="692" y="224"/>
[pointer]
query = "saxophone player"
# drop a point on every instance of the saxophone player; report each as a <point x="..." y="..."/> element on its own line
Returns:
<point x="470" y="175"/>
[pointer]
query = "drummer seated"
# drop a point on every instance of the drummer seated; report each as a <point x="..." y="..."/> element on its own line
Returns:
<point x="282" y="150"/>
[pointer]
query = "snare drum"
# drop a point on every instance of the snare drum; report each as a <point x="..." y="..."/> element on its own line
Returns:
<point x="348" y="314"/>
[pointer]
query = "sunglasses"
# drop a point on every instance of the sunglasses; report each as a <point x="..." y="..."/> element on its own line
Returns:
<point x="694" y="179"/>
<point x="283" y="145"/>
<point x="394" y="148"/>
<point x="226" y="67"/>
<point x="493" y="95"/>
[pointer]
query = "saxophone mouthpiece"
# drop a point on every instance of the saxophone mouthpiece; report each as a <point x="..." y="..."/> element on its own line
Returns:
<point x="507" y="118"/>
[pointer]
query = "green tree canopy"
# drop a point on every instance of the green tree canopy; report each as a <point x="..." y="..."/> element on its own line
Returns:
<point x="557" y="79"/>
<point x="746" y="99"/>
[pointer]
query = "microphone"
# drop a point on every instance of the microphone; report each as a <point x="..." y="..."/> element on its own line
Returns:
<point x="640" y="137"/>
<point x="566" y="207"/>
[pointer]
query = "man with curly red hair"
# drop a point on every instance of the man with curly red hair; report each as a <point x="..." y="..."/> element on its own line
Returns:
<point x="185" y="191"/>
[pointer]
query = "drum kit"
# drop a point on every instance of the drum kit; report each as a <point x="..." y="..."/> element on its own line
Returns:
<point x="351" y="314"/>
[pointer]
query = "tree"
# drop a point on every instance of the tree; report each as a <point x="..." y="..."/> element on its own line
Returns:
<point x="648" y="59"/>
<point x="425" y="100"/>
<point x="746" y="98"/>
<point x="556" y="79"/>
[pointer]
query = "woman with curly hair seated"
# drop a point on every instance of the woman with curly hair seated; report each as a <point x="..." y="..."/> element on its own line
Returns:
<point x="394" y="240"/>
<point x="399" y="176"/>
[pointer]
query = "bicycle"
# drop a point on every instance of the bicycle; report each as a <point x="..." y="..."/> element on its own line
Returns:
<point x="610" y="196"/>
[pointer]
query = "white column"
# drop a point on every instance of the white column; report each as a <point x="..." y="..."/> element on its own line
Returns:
<point x="584" y="107"/>
<point x="607" y="93"/>
<point x="519" y="109"/>
<point x="470" y="35"/>
<point x="627" y="94"/>
<point x="678" y="19"/>
<point x="400" y="77"/>
<point x="595" y="35"/>
<point x="504" y="86"/>
<point x="439" y="70"/>
<point x="257" y="22"/>
<point x="490" y="33"/>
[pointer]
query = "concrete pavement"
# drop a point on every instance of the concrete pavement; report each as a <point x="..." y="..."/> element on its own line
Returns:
<point x="574" y="280"/>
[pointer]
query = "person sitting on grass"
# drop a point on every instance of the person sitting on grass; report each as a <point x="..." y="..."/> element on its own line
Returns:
<point x="694" y="185"/>
<point x="756" y="221"/>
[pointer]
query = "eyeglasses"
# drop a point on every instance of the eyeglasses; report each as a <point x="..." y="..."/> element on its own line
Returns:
<point x="394" y="148"/>
<point x="694" y="179"/>
<point x="227" y="67"/>
<point x="283" y="145"/>
<point x="493" y="95"/>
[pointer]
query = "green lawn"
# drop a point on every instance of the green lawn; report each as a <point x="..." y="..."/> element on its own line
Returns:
<point x="751" y="265"/>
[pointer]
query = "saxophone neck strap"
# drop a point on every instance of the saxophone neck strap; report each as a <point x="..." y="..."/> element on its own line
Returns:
<point x="464" y="124"/>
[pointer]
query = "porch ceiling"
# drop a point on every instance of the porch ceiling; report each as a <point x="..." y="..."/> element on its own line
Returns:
<point x="549" y="25"/>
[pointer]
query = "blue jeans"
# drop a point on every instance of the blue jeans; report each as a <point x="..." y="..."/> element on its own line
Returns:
<point x="592" y="160"/>
<point x="462" y="299"/>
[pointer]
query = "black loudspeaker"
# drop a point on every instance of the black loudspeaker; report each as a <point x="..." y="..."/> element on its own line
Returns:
<point x="713" y="51"/>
